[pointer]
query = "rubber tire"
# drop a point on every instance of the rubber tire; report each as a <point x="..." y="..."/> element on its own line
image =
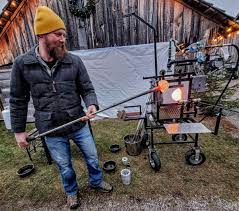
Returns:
<point x="156" y="159"/>
<point x="175" y="137"/>
<point x="190" y="158"/>
<point x="145" y="137"/>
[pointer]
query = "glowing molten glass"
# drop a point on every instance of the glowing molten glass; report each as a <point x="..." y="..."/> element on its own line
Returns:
<point x="177" y="94"/>
<point x="162" y="86"/>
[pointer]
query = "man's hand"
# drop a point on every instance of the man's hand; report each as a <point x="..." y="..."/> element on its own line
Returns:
<point x="21" y="139"/>
<point x="90" y="113"/>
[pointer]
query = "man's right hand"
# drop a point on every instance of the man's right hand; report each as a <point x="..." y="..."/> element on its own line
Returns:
<point x="21" y="139"/>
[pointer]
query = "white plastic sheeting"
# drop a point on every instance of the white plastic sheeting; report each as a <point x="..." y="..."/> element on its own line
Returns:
<point x="117" y="73"/>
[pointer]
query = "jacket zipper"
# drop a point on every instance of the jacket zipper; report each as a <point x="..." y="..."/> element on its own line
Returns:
<point x="53" y="82"/>
<point x="54" y="86"/>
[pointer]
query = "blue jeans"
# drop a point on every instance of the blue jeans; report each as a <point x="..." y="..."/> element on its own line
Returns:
<point x="60" y="151"/>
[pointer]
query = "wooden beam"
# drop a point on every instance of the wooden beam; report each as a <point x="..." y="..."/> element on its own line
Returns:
<point x="12" y="17"/>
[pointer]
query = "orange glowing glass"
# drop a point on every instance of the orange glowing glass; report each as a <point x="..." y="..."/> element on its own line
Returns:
<point x="162" y="86"/>
<point x="177" y="94"/>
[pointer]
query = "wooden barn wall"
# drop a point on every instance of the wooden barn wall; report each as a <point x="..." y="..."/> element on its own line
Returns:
<point x="107" y="27"/>
<point x="234" y="39"/>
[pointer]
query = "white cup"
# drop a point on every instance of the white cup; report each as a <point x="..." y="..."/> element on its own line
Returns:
<point x="6" y="118"/>
<point x="125" y="176"/>
<point x="125" y="161"/>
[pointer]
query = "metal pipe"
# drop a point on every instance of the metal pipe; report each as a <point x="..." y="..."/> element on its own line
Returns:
<point x="158" y="88"/>
<point x="155" y="39"/>
<point x="180" y="62"/>
<point x="218" y="122"/>
<point x="218" y="106"/>
<point x="232" y="75"/>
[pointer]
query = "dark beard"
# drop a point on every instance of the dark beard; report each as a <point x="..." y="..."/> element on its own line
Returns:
<point x="58" y="52"/>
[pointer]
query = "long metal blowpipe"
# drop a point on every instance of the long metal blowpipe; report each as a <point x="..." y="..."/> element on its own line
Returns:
<point x="162" y="87"/>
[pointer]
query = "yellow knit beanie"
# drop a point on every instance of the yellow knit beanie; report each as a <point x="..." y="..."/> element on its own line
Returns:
<point x="47" y="21"/>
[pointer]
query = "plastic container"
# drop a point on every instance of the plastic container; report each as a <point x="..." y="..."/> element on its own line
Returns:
<point x="6" y="118"/>
<point x="125" y="161"/>
<point x="125" y="176"/>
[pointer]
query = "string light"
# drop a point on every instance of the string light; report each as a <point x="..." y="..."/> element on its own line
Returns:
<point x="220" y="37"/>
<point x="13" y="4"/>
<point x="6" y="13"/>
<point x="229" y="29"/>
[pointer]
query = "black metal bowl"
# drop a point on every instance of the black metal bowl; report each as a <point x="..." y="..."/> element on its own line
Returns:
<point x="109" y="165"/>
<point x="115" y="148"/>
<point x="26" y="170"/>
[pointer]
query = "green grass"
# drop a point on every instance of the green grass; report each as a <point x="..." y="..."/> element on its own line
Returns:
<point x="217" y="177"/>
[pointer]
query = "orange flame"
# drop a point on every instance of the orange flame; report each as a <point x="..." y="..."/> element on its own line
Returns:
<point x="177" y="94"/>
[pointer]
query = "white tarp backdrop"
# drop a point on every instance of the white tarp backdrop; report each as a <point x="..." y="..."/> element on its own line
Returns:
<point x="117" y="72"/>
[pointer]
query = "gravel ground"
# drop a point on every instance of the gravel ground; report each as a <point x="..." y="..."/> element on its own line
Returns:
<point x="161" y="203"/>
<point x="168" y="203"/>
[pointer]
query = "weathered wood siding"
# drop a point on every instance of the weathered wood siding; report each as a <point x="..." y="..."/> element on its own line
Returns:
<point x="107" y="27"/>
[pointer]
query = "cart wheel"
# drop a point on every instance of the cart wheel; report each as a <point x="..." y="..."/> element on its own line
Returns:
<point x="179" y="137"/>
<point x="154" y="161"/>
<point x="190" y="157"/>
<point x="145" y="140"/>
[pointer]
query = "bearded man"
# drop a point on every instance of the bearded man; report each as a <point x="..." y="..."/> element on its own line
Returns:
<point x="56" y="81"/>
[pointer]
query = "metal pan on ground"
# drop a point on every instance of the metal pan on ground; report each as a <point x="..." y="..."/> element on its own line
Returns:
<point x="114" y="148"/>
<point x="26" y="170"/>
<point x="109" y="166"/>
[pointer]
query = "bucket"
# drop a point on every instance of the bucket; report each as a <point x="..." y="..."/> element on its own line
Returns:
<point x="133" y="144"/>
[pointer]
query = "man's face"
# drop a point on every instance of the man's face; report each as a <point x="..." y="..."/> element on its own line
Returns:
<point x="55" y="43"/>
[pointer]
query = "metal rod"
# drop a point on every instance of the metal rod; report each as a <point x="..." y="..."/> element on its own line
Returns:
<point x="180" y="62"/>
<point x="219" y="106"/>
<point x="155" y="39"/>
<point x="176" y="142"/>
<point x="31" y="138"/>
<point x="168" y="76"/>
<point x="218" y="122"/>
<point x="232" y="75"/>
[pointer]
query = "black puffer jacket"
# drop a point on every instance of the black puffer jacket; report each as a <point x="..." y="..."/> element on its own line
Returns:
<point x="56" y="96"/>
